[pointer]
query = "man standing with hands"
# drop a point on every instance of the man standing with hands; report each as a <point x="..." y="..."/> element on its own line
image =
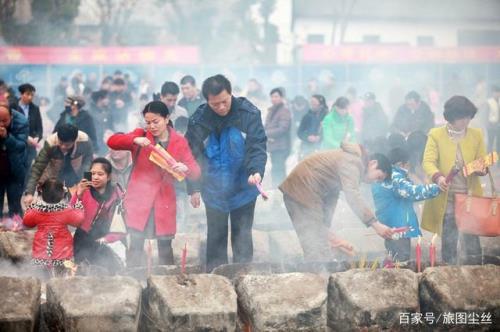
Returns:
<point x="227" y="137"/>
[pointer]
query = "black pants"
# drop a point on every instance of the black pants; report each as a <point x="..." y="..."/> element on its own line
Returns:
<point x="278" y="166"/>
<point x="87" y="250"/>
<point x="449" y="243"/>
<point x="241" y="235"/>
<point x="399" y="249"/>
<point x="14" y="190"/>
<point x="31" y="155"/>
<point x="136" y="255"/>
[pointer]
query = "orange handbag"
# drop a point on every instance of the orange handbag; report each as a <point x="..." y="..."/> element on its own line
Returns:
<point x="478" y="215"/>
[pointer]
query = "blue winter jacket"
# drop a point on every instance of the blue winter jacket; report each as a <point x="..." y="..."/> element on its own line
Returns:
<point x="229" y="149"/>
<point x="394" y="200"/>
<point x="15" y="144"/>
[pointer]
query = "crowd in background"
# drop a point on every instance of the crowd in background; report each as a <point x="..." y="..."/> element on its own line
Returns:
<point x="295" y="126"/>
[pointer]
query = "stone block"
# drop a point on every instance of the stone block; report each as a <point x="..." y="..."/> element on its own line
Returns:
<point x="93" y="304"/>
<point x="366" y="299"/>
<point x="283" y="302"/>
<point x="20" y="304"/>
<point x="203" y="302"/>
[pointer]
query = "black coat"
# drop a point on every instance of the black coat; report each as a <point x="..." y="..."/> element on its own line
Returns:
<point x="406" y="121"/>
<point x="34" y="119"/>
<point x="375" y="124"/>
<point x="83" y="121"/>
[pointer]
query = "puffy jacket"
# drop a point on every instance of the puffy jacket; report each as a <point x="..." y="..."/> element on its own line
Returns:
<point x="15" y="144"/>
<point x="50" y="160"/>
<point x="277" y="127"/>
<point x="335" y="130"/>
<point x="310" y="124"/>
<point x="229" y="149"/>
<point x="53" y="240"/>
<point x="394" y="200"/>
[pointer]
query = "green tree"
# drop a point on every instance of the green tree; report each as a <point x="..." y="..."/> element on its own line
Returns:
<point x="7" y="8"/>
<point x="52" y="22"/>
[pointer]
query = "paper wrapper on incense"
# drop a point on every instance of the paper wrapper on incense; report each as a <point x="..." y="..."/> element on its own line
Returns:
<point x="480" y="164"/>
<point x="160" y="161"/>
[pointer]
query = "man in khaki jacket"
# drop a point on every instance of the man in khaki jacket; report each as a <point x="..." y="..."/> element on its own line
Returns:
<point x="312" y="189"/>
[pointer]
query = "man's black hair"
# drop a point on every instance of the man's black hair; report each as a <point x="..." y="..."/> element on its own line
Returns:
<point x="383" y="163"/>
<point x="398" y="155"/>
<point x="169" y="88"/>
<point x="276" y="90"/>
<point x="214" y="85"/>
<point x="99" y="95"/>
<point x="458" y="107"/>
<point x="119" y="81"/>
<point x="413" y="95"/>
<point x="67" y="133"/>
<point x="188" y="79"/>
<point x="26" y="87"/>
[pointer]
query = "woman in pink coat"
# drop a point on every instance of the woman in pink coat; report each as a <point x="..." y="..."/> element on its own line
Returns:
<point x="150" y="197"/>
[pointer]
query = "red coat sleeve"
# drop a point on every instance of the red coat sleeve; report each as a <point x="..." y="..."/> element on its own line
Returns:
<point x="75" y="216"/>
<point x="124" y="141"/>
<point x="30" y="219"/>
<point x="188" y="159"/>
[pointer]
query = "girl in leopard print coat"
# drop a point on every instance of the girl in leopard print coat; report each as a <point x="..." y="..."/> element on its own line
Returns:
<point x="53" y="242"/>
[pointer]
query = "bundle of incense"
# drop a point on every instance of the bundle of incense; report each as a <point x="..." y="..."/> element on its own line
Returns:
<point x="454" y="171"/>
<point x="265" y="196"/>
<point x="480" y="164"/>
<point x="162" y="158"/>
<point x="183" y="259"/>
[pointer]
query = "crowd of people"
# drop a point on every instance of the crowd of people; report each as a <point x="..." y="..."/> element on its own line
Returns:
<point x="97" y="146"/>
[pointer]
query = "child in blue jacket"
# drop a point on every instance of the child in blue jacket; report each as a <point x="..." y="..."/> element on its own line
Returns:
<point x="394" y="203"/>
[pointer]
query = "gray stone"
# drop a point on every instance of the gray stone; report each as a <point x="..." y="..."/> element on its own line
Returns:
<point x="283" y="302"/>
<point x="19" y="305"/>
<point x="93" y="304"/>
<point x="362" y="298"/>
<point x="234" y="271"/>
<point x="141" y="273"/>
<point x="491" y="246"/>
<point x="473" y="289"/>
<point x="16" y="246"/>
<point x="202" y="302"/>
<point x="284" y="246"/>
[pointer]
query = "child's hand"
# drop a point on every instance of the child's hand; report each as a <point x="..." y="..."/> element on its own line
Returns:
<point x="82" y="186"/>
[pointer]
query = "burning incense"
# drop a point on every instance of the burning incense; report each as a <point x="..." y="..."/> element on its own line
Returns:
<point x="265" y="196"/>
<point x="362" y="261"/>
<point x="418" y="254"/>
<point x="72" y="267"/>
<point x="432" y="251"/>
<point x="374" y="265"/>
<point x="183" y="259"/>
<point x="149" y="254"/>
<point x="453" y="172"/>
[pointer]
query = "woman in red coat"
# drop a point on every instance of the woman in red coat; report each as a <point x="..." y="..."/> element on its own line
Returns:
<point x="150" y="198"/>
<point x="53" y="243"/>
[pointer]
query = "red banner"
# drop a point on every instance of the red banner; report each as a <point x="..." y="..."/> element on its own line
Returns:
<point x="187" y="55"/>
<point x="398" y="54"/>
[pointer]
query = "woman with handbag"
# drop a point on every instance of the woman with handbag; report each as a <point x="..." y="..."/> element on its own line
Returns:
<point x="100" y="199"/>
<point x="151" y="199"/>
<point x="452" y="146"/>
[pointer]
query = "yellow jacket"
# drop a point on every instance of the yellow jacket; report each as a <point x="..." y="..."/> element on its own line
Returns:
<point x="439" y="157"/>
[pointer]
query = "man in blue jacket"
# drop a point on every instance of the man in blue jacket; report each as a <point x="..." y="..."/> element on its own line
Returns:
<point x="14" y="131"/>
<point x="228" y="140"/>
